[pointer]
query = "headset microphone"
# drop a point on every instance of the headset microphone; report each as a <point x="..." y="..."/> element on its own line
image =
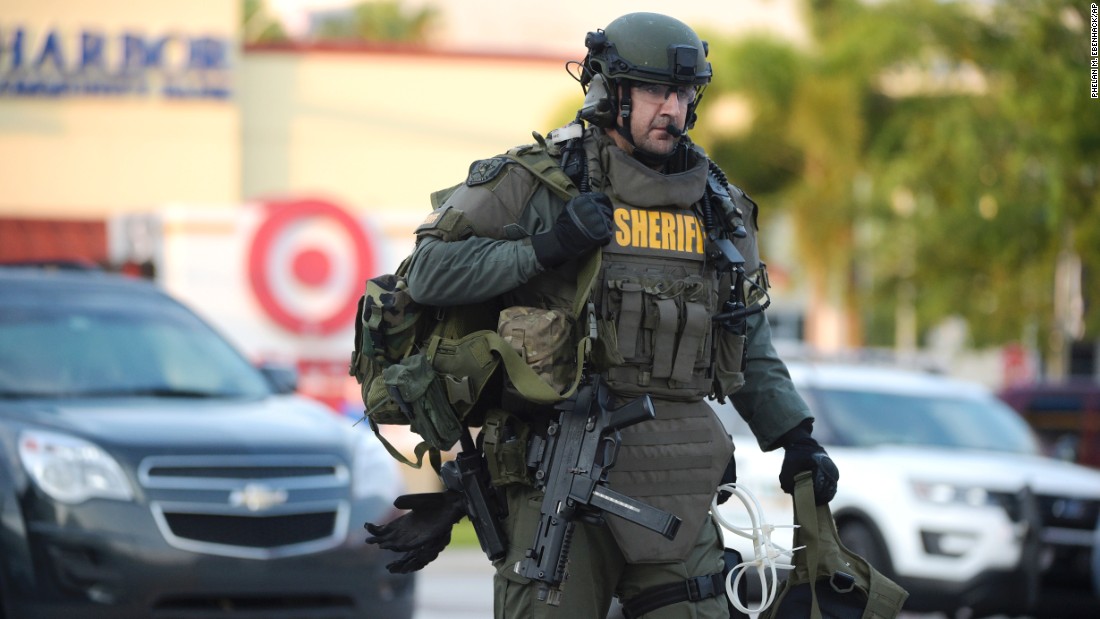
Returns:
<point x="673" y="130"/>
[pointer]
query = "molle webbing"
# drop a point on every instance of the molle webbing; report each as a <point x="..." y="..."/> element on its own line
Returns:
<point x="634" y="380"/>
<point x="666" y="463"/>
<point x="647" y="489"/>
<point x="646" y="452"/>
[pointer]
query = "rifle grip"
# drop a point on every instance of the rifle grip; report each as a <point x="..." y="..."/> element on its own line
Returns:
<point x="635" y="411"/>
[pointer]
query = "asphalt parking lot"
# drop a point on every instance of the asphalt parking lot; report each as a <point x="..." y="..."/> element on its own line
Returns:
<point x="457" y="585"/>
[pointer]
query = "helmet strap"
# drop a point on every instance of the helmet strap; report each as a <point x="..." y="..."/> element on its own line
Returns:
<point x="625" y="106"/>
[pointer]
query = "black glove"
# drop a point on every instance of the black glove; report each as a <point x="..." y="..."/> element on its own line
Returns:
<point x="729" y="477"/>
<point x="584" y="224"/>
<point x="803" y="453"/>
<point x="422" y="533"/>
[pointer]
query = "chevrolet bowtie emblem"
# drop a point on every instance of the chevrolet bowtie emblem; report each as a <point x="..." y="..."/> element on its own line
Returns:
<point x="257" y="497"/>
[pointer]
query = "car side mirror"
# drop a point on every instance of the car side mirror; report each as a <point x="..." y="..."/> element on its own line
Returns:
<point x="282" y="378"/>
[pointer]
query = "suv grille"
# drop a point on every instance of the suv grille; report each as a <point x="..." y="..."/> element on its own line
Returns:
<point x="256" y="507"/>
<point x="272" y="531"/>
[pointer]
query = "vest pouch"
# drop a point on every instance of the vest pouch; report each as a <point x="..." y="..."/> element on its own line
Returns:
<point x="381" y="409"/>
<point x="504" y="440"/>
<point x="465" y="366"/>
<point x="427" y="410"/>
<point x="544" y="340"/>
<point x="729" y="354"/>
<point x="605" y="350"/>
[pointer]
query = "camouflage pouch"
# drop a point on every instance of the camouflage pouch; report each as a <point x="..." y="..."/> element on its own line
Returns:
<point x="387" y="329"/>
<point x="543" y="338"/>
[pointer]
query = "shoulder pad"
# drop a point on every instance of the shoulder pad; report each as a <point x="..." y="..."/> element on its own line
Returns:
<point x="447" y="223"/>
<point x="485" y="170"/>
<point x="745" y="203"/>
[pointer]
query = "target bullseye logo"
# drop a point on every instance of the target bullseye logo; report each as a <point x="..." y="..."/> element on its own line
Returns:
<point x="307" y="265"/>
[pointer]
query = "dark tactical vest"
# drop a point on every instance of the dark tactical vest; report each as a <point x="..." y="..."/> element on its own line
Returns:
<point x="655" y="295"/>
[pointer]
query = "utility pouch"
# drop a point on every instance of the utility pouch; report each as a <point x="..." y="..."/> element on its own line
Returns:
<point x="729" y="353"/>
<point x="418" y="394"/>
<point x="543" y="339"/>
<point x="505" y="440"/>
<point x="605" y="350"/>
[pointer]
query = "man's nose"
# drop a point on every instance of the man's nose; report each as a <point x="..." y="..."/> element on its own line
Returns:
<point x="671" y="105"/>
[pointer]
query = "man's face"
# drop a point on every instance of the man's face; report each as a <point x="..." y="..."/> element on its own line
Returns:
<point x="653" y="108"/>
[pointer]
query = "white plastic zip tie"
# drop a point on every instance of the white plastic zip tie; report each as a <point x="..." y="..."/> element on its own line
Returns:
<point x="766" y="551"/>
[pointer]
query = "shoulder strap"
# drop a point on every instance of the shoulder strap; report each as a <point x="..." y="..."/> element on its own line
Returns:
<point x="536" y="159"/>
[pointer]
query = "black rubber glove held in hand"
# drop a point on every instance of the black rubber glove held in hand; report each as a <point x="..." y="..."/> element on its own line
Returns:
<point x="422" y="533"/>
<point x="803" y="453"/>
<point x="584" y="224"/>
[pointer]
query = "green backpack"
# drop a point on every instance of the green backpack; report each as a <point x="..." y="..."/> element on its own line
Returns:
<point x="426" y="367"/>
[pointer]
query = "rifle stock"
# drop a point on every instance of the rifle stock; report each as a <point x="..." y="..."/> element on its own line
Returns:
<point x="571" y="466"/>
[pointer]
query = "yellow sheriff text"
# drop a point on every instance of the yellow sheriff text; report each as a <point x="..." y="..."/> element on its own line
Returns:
<point x="652" y="229"/>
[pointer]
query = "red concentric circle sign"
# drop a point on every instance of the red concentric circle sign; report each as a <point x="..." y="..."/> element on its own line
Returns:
<point x="307" y="264"/>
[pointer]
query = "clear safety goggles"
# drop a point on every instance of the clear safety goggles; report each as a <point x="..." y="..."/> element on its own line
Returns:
<point x="658" y="93"/>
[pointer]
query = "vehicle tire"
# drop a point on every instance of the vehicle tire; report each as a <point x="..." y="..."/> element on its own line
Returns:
<point x="864" y="539"/>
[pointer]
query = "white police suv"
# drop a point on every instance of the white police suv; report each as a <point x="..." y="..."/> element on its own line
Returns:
<point x="942" y="488"/>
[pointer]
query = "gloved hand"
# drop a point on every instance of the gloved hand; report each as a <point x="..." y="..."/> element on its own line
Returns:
<point x="803" y="453"/>
<point x="584" y="224"/>
<point x="729" y="477"/>
<point x="422" y="533"/>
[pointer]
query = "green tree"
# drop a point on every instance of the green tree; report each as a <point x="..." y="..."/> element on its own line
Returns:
<point x="258" y="26"/>
<point x="384" y="21"/>
<point x="940" y="154"/>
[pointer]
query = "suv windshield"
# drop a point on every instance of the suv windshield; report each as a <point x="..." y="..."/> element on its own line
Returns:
<point x="869" y="418"/>
<point x="129" y="347"/>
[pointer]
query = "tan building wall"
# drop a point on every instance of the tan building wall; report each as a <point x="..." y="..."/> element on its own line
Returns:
<point x="380" y="130"/>
<point x="374" y="130"/>
<point x="92" y="155"/>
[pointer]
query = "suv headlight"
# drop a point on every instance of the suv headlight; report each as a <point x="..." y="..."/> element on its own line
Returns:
<point x="70" y="469"/>
<point x="943" y="493"/>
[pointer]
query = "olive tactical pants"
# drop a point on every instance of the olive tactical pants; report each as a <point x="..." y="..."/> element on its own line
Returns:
<point x="597" y="571"/>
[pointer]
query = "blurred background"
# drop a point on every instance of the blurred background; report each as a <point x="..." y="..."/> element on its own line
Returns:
<point x="927" y="171"/>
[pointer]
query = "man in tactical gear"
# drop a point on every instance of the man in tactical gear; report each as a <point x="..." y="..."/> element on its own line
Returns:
<point x="660" y="212"/>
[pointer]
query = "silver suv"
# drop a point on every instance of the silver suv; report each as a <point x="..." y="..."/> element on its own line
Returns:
<point x="943" y="488"/>
<point x="148" y="469"/>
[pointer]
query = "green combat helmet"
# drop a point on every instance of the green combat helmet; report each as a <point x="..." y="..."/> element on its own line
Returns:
<point x="642" y="47"/>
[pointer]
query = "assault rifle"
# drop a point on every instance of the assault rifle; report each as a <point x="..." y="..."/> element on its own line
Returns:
<point x="571" y="465"/>
<point x="468" y="474"/>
